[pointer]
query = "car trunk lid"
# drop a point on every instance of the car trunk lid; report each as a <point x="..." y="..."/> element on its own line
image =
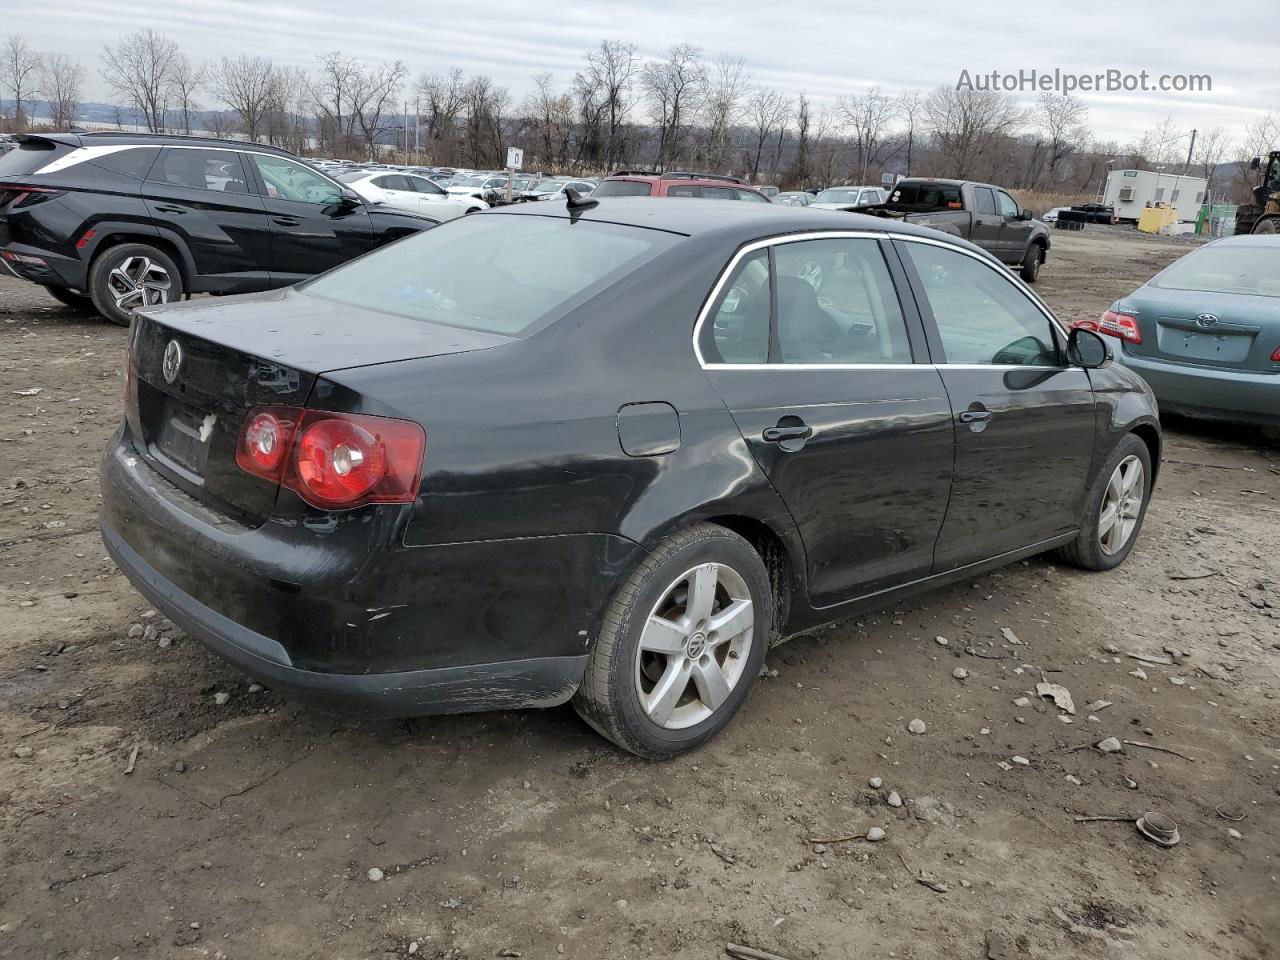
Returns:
<point x="1230" y="331"/>
<point x="199" y="368"/>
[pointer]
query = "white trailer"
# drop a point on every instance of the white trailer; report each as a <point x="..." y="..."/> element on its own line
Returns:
<point x="1132" y="191"/>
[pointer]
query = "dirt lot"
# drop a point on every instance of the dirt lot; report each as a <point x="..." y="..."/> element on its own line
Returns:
<point x="247" y="829"/>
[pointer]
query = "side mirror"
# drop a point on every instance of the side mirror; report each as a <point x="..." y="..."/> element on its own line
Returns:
<point x="1087" y="349"/>
<point x="1026" y="214"/>
<point x="1255" y="163"/>
<point x="349" y="199"/>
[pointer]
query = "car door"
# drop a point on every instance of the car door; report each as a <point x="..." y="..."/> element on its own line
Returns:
<point x="1024" y="418"/>
<point x="397" y="193"/>
<point x="432" y="200"/>
<point x="1015" y="233"/>
<point x="203" y="197"/>
<point x="825" y="371"/>
<point x="312" y="229"/>
<point x="987" y="222"/>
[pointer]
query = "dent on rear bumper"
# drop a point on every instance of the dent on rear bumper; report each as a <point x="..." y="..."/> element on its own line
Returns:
<point x="392" y="630"/>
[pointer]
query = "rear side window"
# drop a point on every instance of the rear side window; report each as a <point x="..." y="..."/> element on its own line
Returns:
<point x="218" y="170"/>
<point x="393" y="182"/>
<point x="30" y="157"/>
<point x="837" y="304"/>
<point x="623" y="188"/>
<point x="135" y="162"/>
<point x="739" y="328"/>
<point x="982" y="318"/>
<point x="719" y="193"/>
<point x="684" y="191"/>
<point x="497" y="274"/>
<point x="984" y="199"/>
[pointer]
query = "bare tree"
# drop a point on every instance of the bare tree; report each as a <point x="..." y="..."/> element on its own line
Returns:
<point x="800" y="172"/>
<point x="139" y="68"/>
<point x="61" y="79"/>
<point x="611" y="70"/>
<point x="966" y="124"/>
<point x="672" y="86"/>
<point x="442" y="98"/>
<point x="332" y="89"/>
<point x="767" y="110"/>
<point x="373" y="98"/>
<point x="19" y="70"/>
<point x="221" y="124"/>
<point x="868" y="116"/>
<point x="244" y="85"/>
<point x="1061" y="119"/>
<point x="909" y="105"/>
<point x="552" y="116"/>
<point x="484" y="105"/>
<point x="726" y="89"/>
<point x="1210" y="150"/>
<point x="185" y="77"/>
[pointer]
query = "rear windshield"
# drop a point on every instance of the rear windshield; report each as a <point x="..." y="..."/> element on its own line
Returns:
<point x="30" y="157"/>
<point x="494" y="273"/>
<point x="837" y="196"/>
<point x="1225" y="269"/>
<point x="929" y="196"/>
<point x="622" y="188"/>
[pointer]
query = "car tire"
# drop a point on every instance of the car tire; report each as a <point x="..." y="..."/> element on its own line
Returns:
<point x="132" y="275"/>
<point x="65" y="295"/>
<point x="1031" y="263"/>
<point x="652" y="688"/>
<point x="1105" y="547"/>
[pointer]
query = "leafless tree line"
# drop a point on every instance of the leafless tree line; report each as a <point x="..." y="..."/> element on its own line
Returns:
<point x="619" y="110"/>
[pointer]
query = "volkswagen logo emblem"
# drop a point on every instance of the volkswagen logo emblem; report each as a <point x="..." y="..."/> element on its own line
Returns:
<point x="1206" y="320"/>
<point x="172" y="362"/>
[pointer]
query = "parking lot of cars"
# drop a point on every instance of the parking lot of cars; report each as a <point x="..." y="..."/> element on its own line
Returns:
<point x="157" y="800"/>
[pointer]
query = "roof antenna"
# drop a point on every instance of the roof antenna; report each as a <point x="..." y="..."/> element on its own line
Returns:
<point x="575" y="202"/>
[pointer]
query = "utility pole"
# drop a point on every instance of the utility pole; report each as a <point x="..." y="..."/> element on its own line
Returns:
<point x="1190" y="151"/>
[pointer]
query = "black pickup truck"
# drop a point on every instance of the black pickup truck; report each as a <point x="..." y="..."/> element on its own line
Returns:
<point x="978" y="212"/>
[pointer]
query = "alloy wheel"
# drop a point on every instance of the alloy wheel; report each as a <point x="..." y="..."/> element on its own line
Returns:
<point x="1121" y="505"/>
<point x="139" y="282"/>
<point x="693" y="648"/>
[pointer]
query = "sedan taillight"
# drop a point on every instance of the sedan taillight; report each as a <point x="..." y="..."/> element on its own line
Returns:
<point x="1122" y="325"/>
<point x="334" y="461"/>
<point x="1275" y="357"/>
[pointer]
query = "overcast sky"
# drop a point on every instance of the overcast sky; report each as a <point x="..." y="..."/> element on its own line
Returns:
<point x="824" y="47"/>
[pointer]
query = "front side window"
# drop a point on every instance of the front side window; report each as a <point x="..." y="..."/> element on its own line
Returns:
<point x="981" y="316"/>
<point x="1007" y="206"/>
<point x="739" y="329"/>
<point x="836" y="303"/>
<point x="423" y="185"/>
<point x="218" y="170"/>
<point x="752" y="196"/>
<point x="497" y="274"/>
<point x="287" y="180"/>
<point x="684" y="191"/>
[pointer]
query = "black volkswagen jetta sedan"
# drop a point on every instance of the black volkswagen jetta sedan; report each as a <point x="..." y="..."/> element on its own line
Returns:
<point x="607" y="452"/>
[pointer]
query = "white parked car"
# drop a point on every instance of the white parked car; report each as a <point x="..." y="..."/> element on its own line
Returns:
<point x="554" y="189"/>
<point x="1052" y="215"/>
<point x="482" y="186"/>
<point x="837" y="198"/>
<point x="407" y="191"/>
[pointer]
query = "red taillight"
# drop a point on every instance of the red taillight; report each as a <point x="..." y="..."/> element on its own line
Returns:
<point x="28" y="196"/>
<point x="334" y="460"/>
<point x="1122" y="325"/>
<point x="1275" y="357"/>
<point x="265" y="440"/>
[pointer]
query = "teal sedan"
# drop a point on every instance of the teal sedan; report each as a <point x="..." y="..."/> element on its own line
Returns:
<point x="1205" y="332"/>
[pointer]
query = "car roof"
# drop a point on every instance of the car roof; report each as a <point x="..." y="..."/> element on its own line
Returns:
<point x="697" y="217"/>
<point x="1250" y="239"/>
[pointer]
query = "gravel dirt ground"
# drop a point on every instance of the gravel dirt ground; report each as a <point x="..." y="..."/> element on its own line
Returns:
<point x="248" y="827"/>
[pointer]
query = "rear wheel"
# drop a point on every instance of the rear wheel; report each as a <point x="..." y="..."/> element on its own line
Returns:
<point x="79" y="301"/>
<point x="131" y="276"/>
<point x="1114" y="510"/>
<point x="1031" y="263"/>
<point x="680" y="645"/>
<point x="1267" y="225"/>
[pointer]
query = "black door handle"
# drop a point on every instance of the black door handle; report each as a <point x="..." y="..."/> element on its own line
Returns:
<point x="286" y="221"/>
<point x="779" y="434"/>
<point x="168" y="209"/>
<point x="975" y="416"/>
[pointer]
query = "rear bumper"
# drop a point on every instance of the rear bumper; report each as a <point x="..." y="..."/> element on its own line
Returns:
<point x="1230" y="395"/>
<point x="54" y="270"/>
<point x="358" y="625"/>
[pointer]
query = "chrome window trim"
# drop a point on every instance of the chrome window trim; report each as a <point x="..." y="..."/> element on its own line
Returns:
<point x="756" y="245"/>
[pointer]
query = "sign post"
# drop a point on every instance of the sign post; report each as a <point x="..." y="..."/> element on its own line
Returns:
<point x="515" y="160"/>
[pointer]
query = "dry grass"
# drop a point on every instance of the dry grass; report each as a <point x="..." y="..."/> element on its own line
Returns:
<point x="1042" y="201"/>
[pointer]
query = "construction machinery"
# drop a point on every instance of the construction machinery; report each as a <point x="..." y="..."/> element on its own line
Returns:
<point x="1263" y="215"/>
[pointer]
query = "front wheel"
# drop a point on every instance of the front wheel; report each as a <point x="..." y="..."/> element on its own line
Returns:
<point x="680" y="645"/>
<point x="131" y="276"/>
<point x="1114" y="510"/>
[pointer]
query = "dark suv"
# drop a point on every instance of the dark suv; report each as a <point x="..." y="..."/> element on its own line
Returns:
<point x="708" y="186"/>
<point x="129" y="220"/>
